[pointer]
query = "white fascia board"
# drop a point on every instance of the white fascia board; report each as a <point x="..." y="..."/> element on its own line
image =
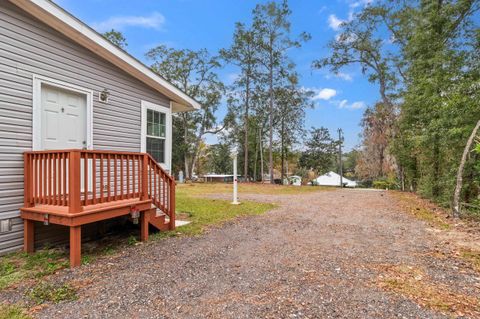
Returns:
<point x="62" y="21"/>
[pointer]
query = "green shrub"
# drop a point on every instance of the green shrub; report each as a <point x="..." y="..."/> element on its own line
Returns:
<point x="45" y="292"/>
<point x="132" y="240"/>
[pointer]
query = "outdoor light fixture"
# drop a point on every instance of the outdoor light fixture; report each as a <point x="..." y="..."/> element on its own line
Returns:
<point x="5" y="225"/>
<point x="103" y="96"/>
<point x="45" y="219"/>
<point x="135" y="214"/>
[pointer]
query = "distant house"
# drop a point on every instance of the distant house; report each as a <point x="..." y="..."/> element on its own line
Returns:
<point x="218" y="178"/>
<point x="85" y="131"/>
<point x="333" y="179"/>
<point x="293" y="180"/>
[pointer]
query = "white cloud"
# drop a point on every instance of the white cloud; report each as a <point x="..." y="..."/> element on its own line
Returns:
<point x="340" y="75"/>
<point x="322" y="94"/>
<point x="230" y="78"/>
<point x="391" y="39"/>
<point x="154" y="21"/>
<point x="334" y="22"/>
<point x="344" y="76"/>
<point x="322" y="9"/>
<point x="325" y="94"/>
<point x="360" y="3"/>
<point x="358" y="105"/>
<point x="345" y="37"/>
<point x="343" y="104"/>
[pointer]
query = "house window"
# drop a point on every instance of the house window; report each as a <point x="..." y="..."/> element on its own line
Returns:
<point x="156" y="135"/>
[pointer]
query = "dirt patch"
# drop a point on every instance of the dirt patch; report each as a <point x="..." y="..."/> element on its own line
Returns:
<point x="461" y="238"/>
<point x="414" y="283"/>
<point x="472" y="256"/>
<point x="183" y="215"/>
<point x="423" y="210"/>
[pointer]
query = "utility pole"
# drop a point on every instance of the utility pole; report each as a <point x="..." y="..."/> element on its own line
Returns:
<point x="340" y="142"/>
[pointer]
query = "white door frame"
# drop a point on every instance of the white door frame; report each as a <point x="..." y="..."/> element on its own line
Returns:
<point x="168" y="134"/>
<point x="37" y="108"/>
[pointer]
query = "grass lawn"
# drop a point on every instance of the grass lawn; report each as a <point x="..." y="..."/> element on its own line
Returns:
<point x="205" y="212"/>
<point x="246" y="188"/>
<point x="12" y="312"/>
<point x="16" y="267"/>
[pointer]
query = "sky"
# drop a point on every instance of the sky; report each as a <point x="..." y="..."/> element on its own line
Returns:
<point x="340" y="100"/>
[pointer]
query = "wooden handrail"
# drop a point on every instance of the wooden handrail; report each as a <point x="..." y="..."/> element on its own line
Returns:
<point x="47" y="178"/>
<point x="85" y="151"/>
<point x="161" y="189"/>
<point x="170" y="177"/>
<point x="79" y="178"/>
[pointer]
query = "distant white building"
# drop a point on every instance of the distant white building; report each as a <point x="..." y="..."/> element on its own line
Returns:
<point x="333" y="179"/>
<point x="293" y="180"/>
<point x="218" y="178"/>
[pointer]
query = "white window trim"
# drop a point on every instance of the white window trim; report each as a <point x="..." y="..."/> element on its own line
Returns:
<point x="37" y="108"/>
<point x="168" y="134"/>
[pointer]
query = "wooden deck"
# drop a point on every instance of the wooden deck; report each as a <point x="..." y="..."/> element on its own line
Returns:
<point x="77" y="187"/>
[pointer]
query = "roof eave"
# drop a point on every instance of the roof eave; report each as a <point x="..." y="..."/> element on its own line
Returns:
<point x="62" y="21"/>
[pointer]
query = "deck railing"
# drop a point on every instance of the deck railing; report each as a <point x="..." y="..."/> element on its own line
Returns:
<point x="77" y="179"/>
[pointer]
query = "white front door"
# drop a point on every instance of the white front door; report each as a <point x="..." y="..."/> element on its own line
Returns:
<point x="64" y="119"/>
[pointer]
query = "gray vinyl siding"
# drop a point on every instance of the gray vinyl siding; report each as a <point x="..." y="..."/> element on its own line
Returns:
<point x="28" y="47"/>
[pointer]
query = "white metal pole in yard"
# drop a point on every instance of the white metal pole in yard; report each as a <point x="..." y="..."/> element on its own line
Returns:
<point x="340" y="141"/>
<point x="235" y="180"/>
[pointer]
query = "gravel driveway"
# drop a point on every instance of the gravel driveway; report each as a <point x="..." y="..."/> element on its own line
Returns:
<point x="318" y="255"/>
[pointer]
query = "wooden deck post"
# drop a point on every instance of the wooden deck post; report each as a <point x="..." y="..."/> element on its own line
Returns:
<point x="172" y="205"/>
<point x="75" y="246"/>
<point x="28" y="225"/>
<point x="144" y="219"/>
<point x="74" y="203"/>
<point x="27" y="180"/>
<point x="145" y="177"/>
<point x="28" y="236"/>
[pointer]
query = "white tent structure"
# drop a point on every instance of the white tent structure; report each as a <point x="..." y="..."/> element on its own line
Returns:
<point x="333" y="179"/>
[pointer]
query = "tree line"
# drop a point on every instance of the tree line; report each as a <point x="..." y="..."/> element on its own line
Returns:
<point x="265" y="102"/>
<point x="423" y="55"/>
<point x="424" y="58"/>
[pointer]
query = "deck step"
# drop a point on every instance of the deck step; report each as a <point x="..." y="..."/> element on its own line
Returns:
<point x="157" y="219"/>
<point x="159" y="212"/>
